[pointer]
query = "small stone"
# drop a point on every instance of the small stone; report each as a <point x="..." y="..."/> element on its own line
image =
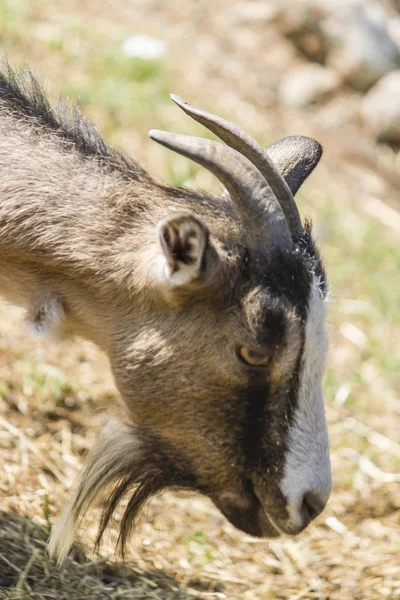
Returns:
<point x="145" y="47"/>
<point x="380" y="108"/>
<point x="253" y="11"/>
<point x="307" y="84"/>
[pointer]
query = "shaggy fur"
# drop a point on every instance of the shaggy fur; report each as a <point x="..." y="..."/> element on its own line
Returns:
<point x="122" y="462"/>
<point x="22" y="95"/>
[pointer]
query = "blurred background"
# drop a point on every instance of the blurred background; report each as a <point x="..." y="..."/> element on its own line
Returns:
<point x="329" y="69"/>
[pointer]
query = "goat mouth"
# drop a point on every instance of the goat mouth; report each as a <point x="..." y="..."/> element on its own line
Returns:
<point x="275" y="525"/>
<point x="248" y="515"/>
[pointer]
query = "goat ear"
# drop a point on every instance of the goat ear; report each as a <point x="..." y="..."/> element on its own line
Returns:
<point x="295" y="157"/>
<point x="184" y="241"/>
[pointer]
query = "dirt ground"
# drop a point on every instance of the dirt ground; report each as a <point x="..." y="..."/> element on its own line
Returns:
<point x="54" y="398"/>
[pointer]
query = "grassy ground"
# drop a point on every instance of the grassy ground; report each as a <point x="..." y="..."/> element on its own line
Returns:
<point x="53" y="400"/>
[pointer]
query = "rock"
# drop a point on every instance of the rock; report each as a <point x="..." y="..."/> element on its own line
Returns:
<point x="358" y="38"/>
<point x="380" y="108"/>
<point x="300" y="23"/>
<point x="362" y="48"/>
<point x="253" y="11"/>
<point x="307" y="84"/>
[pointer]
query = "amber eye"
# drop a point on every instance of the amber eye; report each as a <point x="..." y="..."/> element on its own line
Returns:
<point x="254" y="358"/>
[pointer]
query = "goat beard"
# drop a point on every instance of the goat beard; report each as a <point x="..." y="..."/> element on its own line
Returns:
<point x="126" y="460"/>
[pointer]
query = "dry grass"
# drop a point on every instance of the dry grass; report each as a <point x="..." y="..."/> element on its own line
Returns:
<point x="27" y="572"/>
<point x="54" y="399"/>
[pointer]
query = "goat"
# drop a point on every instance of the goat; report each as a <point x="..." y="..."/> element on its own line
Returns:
<point x="210" y="308"/>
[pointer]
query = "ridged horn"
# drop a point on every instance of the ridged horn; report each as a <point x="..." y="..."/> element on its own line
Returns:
<point x="248" y="147"/>
<point x="247" y="187"/>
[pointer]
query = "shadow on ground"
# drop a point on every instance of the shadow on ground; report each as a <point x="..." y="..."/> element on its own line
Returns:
<point x="27" y="572"/>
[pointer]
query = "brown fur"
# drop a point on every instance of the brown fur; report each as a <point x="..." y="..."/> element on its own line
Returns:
<point x="78" y="227"/>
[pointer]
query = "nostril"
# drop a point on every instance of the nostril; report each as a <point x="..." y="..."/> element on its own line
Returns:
<point x="313" y="503"/>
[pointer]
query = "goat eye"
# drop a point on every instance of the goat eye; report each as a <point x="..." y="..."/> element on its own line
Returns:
<point x="254" y="358"/>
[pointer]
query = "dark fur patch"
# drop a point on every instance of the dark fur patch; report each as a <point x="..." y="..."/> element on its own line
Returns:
<point x="273" y="331"/>
<point x="268" y="418"/>
<point x="288" y="278"/>
<point x="255" y="399"/>
<point x="21" y="92"/>
<point x="312" y="257"/>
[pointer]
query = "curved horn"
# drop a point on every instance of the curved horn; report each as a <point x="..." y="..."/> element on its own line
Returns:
<point x="246" y="145"/>
<point x="244" y="182"/>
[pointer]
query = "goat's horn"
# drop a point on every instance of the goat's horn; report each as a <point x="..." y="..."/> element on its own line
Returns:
<point x="295" y="158"/>
<point x="247" y="187"/>
<point x="246" y="145"/>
